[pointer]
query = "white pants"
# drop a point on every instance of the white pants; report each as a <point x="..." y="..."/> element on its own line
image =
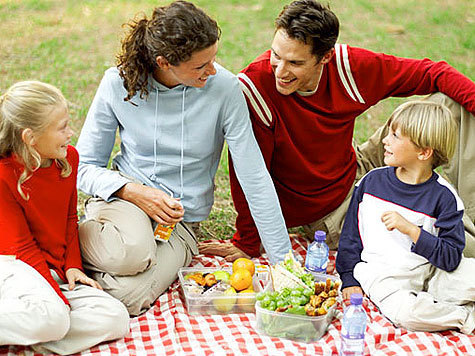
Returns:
<point x="425" y="298"/>
<point x="32" y="313"/>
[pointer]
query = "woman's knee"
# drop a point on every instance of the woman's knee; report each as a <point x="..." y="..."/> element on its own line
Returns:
<point x="108" y="248"/>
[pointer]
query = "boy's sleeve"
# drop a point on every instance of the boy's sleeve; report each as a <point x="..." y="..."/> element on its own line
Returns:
<point x="350" y="245"/>
<point x="444" y="251"/>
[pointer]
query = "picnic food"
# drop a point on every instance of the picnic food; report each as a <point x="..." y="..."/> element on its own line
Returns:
<point x="289" y="273"/>
<point x="241" y="279"/>
<point x="222" y="275"/>
<point x="225" y="303"/>
<point x="244" y="263"/>
<point x="244" y="304"/>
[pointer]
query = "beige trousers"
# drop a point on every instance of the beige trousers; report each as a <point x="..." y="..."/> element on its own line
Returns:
<point x="460" y="172"/>
<point x="118" y="247"/>
<point x="32" y="313"/>
<point x="425" y="298"/>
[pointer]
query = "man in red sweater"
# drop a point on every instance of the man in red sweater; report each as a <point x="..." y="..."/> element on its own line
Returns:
<point x="304" y="96"/>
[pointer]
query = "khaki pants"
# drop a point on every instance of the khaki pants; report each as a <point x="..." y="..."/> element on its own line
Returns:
<point x="424" y="298"/>
<point x="118" y="246"/>
<point x="460" y="172"/>
<point x="32" y="313"/>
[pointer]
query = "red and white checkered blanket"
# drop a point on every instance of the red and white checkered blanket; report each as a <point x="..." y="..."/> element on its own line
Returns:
<point x="167" y="329"/>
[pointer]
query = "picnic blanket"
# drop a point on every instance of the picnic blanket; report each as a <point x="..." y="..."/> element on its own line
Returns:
<point x="167" y="329"/>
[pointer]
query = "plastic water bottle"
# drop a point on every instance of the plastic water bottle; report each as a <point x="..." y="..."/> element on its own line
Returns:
<point x="317" y="254"/>
<point x="353" y="327"/>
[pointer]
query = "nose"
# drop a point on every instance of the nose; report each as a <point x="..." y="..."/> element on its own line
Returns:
<point x="385" y="139"/>
<point x="210" y="69"/>
<point x="70" y="132"/>
<point x="280" y="69"/>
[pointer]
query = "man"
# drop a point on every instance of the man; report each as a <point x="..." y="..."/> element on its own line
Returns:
<point x="304" y="96"/>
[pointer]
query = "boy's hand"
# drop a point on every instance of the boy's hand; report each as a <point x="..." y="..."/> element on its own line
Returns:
<point x="348" y="291"/>
<point x="74" y="275"/>
<point x="393" y="220"/>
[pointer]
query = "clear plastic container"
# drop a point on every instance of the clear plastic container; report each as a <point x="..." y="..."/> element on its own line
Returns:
<point x="295" y="327"/>
<point x="218" y="302"/>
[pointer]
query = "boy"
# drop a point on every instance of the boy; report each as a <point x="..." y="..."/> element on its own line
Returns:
<point x="403" y="236"/>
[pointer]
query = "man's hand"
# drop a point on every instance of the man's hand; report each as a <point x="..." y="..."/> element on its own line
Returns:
<point x="226" y="250"/>
<point x="348" y="291"/>
<point x="74" y="275"/>
<point x="393" y="220"/>
<point x="157" y="204"/>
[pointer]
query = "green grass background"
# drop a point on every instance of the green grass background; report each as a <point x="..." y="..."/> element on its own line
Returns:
<point x="71" y="43"/>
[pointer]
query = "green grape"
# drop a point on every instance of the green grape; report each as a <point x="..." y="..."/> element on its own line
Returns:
<point x="281" y="303"/>
<point x="308" y="292"/>
<point x="272" y="306"/>
<point x="294" y="300"/>
<point x="260" y="295"/>
<point x="296" y="293"/>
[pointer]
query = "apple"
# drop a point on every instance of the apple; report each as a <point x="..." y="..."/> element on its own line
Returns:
<point x="222" y="276"/>
<point x="226" y="302"/>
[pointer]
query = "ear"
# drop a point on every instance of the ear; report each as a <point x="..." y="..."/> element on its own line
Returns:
<point x="28" y="137"/>
<point x="162" y="63"/>
<point x="425" y="154"/>
<point x="328" y="56"/>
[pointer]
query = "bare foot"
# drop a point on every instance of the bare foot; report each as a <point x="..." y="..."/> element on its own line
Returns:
<point x="226" y="250"/>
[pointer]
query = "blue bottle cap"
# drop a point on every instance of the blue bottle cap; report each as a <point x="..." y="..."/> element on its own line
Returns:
<point x="356" y="299"/>
<point x="320" y="235"/>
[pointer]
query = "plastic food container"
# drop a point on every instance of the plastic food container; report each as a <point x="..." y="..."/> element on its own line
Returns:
<point x="197" y="304"/>
<point x="295" y="327"/>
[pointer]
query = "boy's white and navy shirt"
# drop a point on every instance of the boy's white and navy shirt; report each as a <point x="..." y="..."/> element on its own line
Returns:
<point x="434" y="206"/>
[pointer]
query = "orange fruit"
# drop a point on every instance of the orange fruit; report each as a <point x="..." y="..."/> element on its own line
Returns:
<point x="240" y="279"/>
<point x="246" y="304"/>
<point x="245" y="263"/>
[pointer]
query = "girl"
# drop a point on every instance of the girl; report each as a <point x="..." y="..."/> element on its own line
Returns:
<point x="41" y="303"/>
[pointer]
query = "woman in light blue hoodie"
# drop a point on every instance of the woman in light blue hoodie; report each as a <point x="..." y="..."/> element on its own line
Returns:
<point x="174" y="107"/>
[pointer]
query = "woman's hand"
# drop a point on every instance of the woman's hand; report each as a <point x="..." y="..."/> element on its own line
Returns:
<point x="157" y="204"/>
<point x="74" y="275"/>
<point x="348" y="291"/>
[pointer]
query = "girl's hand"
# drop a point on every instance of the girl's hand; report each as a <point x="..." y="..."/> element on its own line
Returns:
<point x="74" y="275"/>
<point x="393" y="220"/>
<point x="157" y="204"/>
<point x="348" y="291"/>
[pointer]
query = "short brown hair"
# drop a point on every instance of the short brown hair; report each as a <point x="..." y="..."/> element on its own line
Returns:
<point x="311" y="23"/>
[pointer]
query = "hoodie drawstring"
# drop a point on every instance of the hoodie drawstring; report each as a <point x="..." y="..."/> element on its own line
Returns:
<point x="182" y="142"/>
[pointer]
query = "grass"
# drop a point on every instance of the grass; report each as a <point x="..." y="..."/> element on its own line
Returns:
<point x="71" y="43"/>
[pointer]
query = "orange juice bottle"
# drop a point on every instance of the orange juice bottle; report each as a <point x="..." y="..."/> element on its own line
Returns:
<point x="162" y="232"/>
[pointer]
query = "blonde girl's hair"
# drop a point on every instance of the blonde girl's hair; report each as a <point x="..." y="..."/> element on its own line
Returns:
<point x="27" y="105"/>
<point x="428" y="125"/>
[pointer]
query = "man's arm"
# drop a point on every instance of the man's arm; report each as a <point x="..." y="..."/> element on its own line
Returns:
<point x="379" y="76"/>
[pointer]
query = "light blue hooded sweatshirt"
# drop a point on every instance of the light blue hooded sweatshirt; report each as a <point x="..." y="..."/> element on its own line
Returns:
<point x="175" y="138"/>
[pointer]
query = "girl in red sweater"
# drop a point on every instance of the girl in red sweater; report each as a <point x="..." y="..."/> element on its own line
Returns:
<point x="46" y="300"/>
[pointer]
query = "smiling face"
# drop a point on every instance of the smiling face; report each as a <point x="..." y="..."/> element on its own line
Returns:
<point x="193" y="72"/>
<point x="400" y="151"/>
<point x="295" y="67"/>
<point x="53" y="141"/>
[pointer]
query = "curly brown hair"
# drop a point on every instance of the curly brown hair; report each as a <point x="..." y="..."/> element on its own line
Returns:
<point x="311" y="23"/>
<point x="174" y="32"/>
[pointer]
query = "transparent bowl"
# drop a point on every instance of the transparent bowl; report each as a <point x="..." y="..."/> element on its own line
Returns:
<point x="218" y="303"/>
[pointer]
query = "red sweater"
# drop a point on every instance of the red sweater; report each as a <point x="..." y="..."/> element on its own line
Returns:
<point x="306" y="141"/>
<point x="41" y="231"/>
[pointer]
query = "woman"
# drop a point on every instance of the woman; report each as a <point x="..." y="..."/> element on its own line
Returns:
<point x="174" y="107"/>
